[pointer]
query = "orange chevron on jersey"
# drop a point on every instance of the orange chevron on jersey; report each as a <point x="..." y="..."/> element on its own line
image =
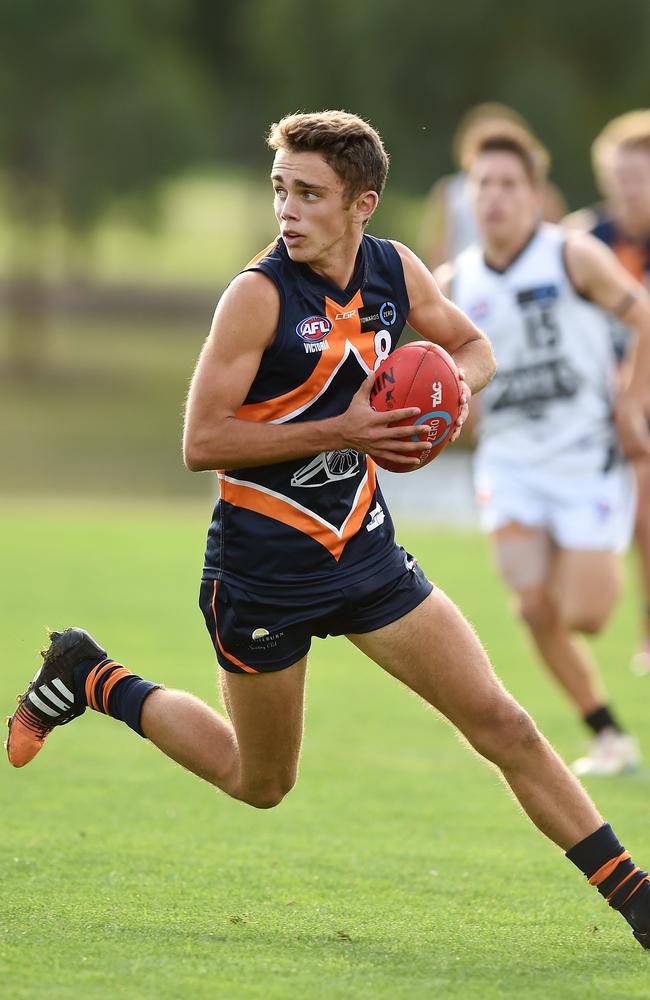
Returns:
<point x="345" y="336"/>
<point x="257" y="498"/>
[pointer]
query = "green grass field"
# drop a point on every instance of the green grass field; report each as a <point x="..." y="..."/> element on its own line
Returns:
<point x="398" y="868"/>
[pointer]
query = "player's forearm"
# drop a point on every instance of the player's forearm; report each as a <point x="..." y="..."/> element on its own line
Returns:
<point x="476" y="359"/>
<point x="236" y="444"/>
<point x="638" y="380"/>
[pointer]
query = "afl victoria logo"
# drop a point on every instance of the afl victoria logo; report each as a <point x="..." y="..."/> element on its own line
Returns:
<point x="313" y="328"/>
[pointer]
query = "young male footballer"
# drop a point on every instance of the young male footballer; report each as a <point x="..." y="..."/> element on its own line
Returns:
<point x="301" y="542"/>
<point x="554" y="491"/>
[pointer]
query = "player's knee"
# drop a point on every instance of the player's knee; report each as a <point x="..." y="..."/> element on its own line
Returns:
<point x="509" y="733"/>
<point x="538" y="610"/>
<point x="589" y="621"/>
<point x="268" y="794"/>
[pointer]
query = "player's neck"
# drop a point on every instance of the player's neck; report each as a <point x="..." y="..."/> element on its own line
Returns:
<point x="499" y="254"/>
<point x="634" y="226"/>
<point x="338" y="266"/>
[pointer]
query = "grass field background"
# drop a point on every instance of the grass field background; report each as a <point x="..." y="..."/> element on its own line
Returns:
<point x="398" y="867"/>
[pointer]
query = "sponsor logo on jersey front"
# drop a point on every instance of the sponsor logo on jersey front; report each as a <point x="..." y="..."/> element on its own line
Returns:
<point x="373" y="318"/>
<point x="377" y="517"/>
<point x="327" y="467"/>
<point x="387" y="313"/>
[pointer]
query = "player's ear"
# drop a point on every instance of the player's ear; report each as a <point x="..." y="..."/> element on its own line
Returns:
<point x="364" y="205"/>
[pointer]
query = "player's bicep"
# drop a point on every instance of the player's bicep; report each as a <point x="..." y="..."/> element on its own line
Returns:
<point x="598" y="274"/>
<point x="243" y="327"/>
<point x="432" y="315"/>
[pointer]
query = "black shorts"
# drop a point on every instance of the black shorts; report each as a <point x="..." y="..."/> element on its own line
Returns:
<point x="255" y="634"/>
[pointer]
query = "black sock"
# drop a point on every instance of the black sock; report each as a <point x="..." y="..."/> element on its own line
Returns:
<point x="109" y="688"/>
<point x="602" y="718"/>
<point x="604" y="861"/>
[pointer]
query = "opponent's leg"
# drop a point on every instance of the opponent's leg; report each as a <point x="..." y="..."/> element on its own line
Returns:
<point x="435" y="652"/>
<point x="558" y="590"/>
<point x="641" y="661"/>
<point x="525" y="557"/>
<point x="587" y="584"/>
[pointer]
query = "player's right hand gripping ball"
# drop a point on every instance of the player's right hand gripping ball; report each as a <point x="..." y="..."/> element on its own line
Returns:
<point x="425" y="375"/>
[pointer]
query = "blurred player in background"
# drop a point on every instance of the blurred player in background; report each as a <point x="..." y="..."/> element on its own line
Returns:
<point x="449" y="224"/>
<point x="621" y="161"/>
<point x="552" y="489"/>
<point x="301" y="547"/>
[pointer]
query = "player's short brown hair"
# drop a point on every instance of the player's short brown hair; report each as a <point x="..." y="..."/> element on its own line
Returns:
<point x="347" y="143"/>
<point x="628" y="131"/>
<point x="490" y="115"/>
<point x="522" y="144"/>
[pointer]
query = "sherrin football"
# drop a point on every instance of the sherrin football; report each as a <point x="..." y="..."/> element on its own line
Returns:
<point x="425" y="375"/>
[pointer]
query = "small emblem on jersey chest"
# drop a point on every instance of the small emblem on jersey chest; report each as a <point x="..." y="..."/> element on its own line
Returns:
<point x="313" y="329"/>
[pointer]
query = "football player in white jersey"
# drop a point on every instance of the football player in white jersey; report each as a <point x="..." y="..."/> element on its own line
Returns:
<point x="553" y="489"/>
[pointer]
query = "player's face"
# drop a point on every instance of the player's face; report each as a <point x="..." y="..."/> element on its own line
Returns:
<point x="507" y="204"/>
<point x="316" y="222"/>
<point x="629" y="184"/>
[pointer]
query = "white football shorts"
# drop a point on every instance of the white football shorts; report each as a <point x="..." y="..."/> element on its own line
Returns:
<point x="582" y="511"/>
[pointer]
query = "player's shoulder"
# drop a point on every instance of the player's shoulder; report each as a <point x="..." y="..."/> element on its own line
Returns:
<point x="251" y="300"/>
<point x="417" y="275"/>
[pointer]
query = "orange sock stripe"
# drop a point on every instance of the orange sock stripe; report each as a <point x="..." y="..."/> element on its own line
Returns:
<point x="92" y="679"/>
<point x="608" y="869"/>
<point x="622" y="883"/>
<point x="116" y="676"/>
<point x="637" y="886"/>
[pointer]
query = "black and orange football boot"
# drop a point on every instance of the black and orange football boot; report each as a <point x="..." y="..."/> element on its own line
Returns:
<point x="637" y="913"/>
<point x="52" y="698"/>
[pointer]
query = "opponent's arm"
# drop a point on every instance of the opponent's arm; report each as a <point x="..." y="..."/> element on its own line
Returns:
<point x="243" y="328"/>
<point x="599" y="276"/>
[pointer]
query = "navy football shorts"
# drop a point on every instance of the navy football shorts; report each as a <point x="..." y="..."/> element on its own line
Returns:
<point x="255" y="634"/>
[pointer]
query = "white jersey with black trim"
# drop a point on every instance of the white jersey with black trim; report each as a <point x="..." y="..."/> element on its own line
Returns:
<point x="551" y="397"/>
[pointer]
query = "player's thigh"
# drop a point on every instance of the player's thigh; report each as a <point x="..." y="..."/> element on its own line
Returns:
<point x="522" y="554"/>
<point x="642" y="526"/>
<point x="436" y="653"/>
<point x="266" y="710"/>
<point x="587" y="583"/>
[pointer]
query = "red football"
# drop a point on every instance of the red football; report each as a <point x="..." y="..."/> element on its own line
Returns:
<point x="419" y="374"/>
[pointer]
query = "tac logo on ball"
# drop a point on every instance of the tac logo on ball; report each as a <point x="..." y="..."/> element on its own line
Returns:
<point x="313" y="329"/>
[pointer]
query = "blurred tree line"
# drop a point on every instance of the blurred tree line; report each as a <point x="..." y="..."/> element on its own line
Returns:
<point x="106" y="98"/>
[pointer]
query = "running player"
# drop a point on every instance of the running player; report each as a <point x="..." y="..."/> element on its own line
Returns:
<point x="552" y="490"/>
<point x="449" y="225"/>
<point x="621" y="161"/>
<point x="301" y="543"/>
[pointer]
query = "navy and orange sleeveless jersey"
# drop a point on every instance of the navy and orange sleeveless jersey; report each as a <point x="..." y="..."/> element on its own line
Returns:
<point x="317" y="522"/>
<point x="634" y="255"/>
